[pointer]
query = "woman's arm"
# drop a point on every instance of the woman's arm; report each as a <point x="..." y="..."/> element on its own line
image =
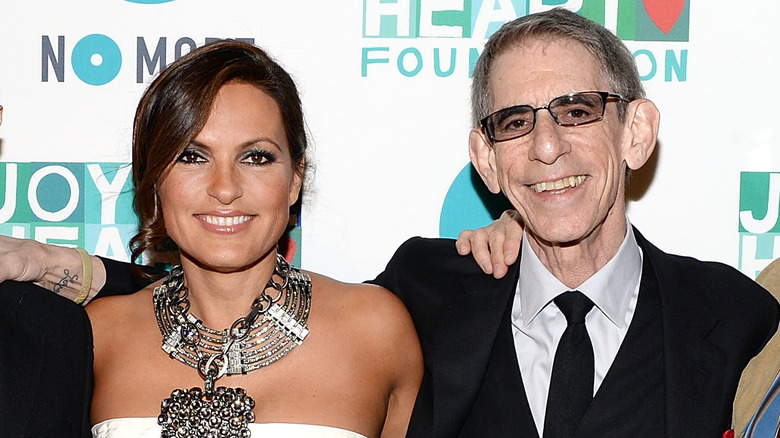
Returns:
<point x="52" y="267"/>
<point x="404" y="356"/>
<point x="66" y="271"/>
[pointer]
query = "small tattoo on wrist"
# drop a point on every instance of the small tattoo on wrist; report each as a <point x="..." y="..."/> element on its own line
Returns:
<point x="65" y="281"/>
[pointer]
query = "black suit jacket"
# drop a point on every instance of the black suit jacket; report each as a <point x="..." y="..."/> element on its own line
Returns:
<point x="45" y="364"/>
<point x="714" y="321"/>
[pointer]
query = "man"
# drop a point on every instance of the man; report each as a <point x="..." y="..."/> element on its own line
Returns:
<point x="45" y="363"/>
<point x="560" y="120"/>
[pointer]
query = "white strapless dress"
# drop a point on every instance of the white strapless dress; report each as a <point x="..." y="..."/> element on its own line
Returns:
<point x="148" y="428"/>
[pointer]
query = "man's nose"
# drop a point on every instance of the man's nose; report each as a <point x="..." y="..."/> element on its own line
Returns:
<point x="547" y="142"/>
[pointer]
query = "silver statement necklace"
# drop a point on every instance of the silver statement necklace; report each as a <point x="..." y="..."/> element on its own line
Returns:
<point x="275" y="324"/>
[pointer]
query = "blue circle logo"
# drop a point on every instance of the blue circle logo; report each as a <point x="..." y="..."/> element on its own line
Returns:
<point x="469" y="204"/>
<point x="96" y="59"/>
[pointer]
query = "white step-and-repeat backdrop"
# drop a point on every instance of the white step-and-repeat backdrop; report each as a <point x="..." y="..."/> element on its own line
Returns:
<point x="385" y="85"/>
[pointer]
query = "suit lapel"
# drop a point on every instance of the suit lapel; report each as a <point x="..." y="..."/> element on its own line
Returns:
<point x="693" y="368"/>
<point x="468" y="325"/>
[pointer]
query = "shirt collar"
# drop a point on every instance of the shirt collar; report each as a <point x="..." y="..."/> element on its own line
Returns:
<point x="610" y="289"/>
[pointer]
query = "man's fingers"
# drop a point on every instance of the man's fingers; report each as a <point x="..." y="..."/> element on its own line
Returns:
<point x="495" y="246"/>
<point x="476" y="242"/>
<point x="512" y="228"/>
<point x="463" y="244"/>
<point x="496" y="241"/>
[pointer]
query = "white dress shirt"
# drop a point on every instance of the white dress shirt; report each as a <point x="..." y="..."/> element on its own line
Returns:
<point x="538" y="324"/>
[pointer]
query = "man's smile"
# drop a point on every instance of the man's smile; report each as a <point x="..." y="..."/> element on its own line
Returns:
<point x="569" y="181"/>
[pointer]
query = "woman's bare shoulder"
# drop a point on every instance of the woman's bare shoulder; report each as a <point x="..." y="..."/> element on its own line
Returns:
<point x="364" y="308"/>
<point x="358" y="297"/>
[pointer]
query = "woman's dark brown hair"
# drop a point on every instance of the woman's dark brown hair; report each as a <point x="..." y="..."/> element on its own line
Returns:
<point x="175" y="107"/>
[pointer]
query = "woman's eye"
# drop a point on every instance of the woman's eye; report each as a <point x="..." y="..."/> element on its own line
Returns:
<point x="190" y="157"/>
<point x="258" y="158"/>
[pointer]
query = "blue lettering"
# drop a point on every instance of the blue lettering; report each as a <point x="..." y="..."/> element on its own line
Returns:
<point x="680" y="66"/>
<point x="437" y="63"/>
<point x="401" y="58"/>
<point x="651" y="59"/>
<point x="365" y="60"/>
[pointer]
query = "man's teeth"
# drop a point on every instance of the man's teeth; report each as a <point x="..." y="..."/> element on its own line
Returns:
<point x="572" y="181"/>
<point x="225" y="221"/>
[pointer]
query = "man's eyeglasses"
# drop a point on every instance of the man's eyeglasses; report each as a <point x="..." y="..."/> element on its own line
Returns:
<point x="570" y="110"/>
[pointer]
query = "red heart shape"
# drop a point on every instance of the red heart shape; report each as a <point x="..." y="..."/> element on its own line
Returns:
<point x="664" y="13"/>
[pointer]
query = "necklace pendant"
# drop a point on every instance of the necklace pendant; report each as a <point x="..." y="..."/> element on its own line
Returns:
<point x="227" y="412"/>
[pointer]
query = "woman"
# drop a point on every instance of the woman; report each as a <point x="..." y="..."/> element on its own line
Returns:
<point x="218" y="160"/>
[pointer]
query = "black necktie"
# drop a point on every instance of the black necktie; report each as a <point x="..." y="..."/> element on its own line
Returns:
<point x="571" y="382"/>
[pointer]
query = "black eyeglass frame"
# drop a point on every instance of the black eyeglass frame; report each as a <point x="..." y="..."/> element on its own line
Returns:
<point x="605" y="96"/>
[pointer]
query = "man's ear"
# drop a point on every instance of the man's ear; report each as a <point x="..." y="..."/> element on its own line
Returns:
<point x="483" y="157"/>
<point x="642" y="118"/>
